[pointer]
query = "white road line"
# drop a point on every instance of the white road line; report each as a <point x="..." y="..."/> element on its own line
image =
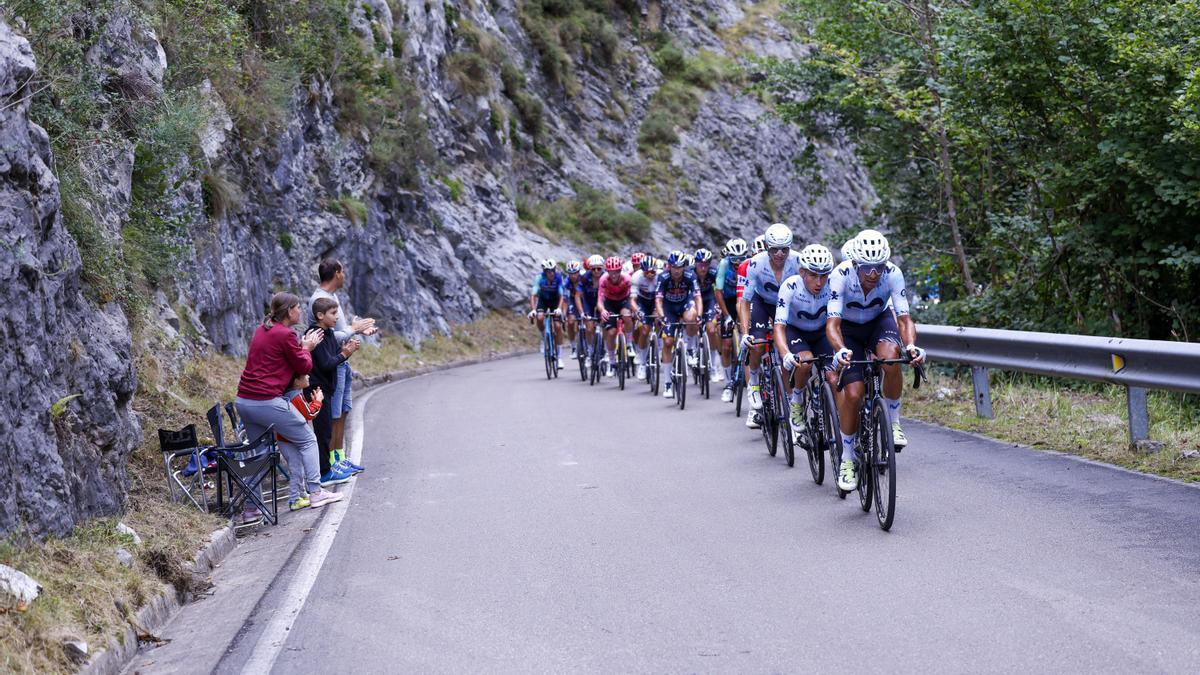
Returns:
<point x="270" y="643"/>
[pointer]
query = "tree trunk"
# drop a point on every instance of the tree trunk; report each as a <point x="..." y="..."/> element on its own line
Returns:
<point x="925" y="18"/>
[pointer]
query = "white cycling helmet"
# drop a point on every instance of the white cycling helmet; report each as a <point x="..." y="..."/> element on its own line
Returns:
<point x="760" y="243"/>
<point x="595" y="261"/>
<point x="736" y="248"/>
<point x="871" y="248"/>
<point x="816" y="259"/>
<point x="548" y="264"/>
<point x="848" y="249"/>
<point x="574" y="267"/>
<point x="778" y="236"/>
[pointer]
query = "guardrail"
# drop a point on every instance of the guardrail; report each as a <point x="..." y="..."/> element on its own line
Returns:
<point x="1137" y="364"/>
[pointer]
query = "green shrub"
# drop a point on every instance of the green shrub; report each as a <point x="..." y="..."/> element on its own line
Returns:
<point x="354" y="209"/>
<point x="221" y="195"/>
<point x="657" y="130"/>
<point x="470" y="72"/>
<point x="455" y="186"/>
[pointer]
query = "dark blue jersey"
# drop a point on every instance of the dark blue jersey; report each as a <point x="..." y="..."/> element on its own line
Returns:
<point x="679" y="290"/>
<point x="707" y="283"/>
<point x="549" y="288"/>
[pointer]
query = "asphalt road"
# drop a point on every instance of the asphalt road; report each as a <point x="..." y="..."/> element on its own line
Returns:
<point x="507" y="523"/>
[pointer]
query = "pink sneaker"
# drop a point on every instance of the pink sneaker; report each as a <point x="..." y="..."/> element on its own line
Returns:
<point x="323" y="498"/>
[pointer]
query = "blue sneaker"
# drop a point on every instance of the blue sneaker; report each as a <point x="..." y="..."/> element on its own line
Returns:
<point x="336" y="476"/>
<point x="346" y="466"/>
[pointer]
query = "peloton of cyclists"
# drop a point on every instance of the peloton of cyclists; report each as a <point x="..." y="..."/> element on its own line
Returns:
<point x="847" y="311"/>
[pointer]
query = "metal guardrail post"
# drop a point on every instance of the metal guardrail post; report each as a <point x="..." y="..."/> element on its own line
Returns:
<point x="983" y="392"/>
<point x="1139" y="417"/>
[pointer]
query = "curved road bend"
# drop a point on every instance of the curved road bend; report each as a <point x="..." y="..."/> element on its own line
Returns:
<point x="508" y="523"/>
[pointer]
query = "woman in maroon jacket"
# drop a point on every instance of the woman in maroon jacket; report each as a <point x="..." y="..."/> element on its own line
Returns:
<point x="276" y="357"/>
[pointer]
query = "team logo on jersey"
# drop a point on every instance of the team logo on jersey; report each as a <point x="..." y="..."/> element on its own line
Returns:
<point x="792" y="286"/>
<point x="833" y="295"/>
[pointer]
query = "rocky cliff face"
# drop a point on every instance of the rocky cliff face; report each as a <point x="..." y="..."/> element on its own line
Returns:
<point x="64" y="457"/>
<point x="429" y="240"/>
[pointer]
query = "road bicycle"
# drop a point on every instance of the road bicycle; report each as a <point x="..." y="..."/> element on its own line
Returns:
<point x="581" y="347"/>
<point x="626" y="368"/>
<point x="679" y="365"/>
<point x="653" y="354"/>
<point x="874" y="445"/>
<point x="821" y="432"/>
<point x="594" y="374"/>
<point x="549" y="349"/>
<point x="702" y="374"/>
<point x="770" y="384"/>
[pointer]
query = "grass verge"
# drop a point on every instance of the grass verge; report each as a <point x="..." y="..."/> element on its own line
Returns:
<point x="497" y="332"/>
<point x="1080" y="418"/>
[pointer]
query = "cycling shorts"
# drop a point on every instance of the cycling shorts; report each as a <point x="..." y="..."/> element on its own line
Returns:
<point x="547" y="304"/>
<point x="614" y="307"/>
<point x="646" y="305"/>
<point x="808" y="341"/>
<point x="589" y="305"/>
<point x="862" y="338"/>
<point x="673" y="311"/>
<point x="710" y="308"/>
<point x="762" y="316"/>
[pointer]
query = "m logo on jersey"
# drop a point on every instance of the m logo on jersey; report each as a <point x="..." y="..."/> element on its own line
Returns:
<point x="792" y="286"/>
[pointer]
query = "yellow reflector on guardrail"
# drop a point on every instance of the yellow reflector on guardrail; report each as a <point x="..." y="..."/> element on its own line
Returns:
<point x="1118" y="363"/>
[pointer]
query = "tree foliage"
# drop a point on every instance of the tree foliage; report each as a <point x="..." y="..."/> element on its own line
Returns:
<point x="1073" y="136"/>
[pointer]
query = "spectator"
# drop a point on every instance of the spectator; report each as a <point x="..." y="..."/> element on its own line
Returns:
<point x="276" y="357"/>
<point x="332" y="276"/>
<point x="328" y="357"/>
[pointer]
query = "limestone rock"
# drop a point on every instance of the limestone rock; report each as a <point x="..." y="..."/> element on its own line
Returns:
<point x="17" y="590"/>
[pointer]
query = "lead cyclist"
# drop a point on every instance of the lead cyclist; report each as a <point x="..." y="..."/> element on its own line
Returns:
<point x="859" y="321"/>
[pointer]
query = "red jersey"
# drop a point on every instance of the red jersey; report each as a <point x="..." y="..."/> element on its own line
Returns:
<point x="617" y="291"/>
<point x="741" y="285"/>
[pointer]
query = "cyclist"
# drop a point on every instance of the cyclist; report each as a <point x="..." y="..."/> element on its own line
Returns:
<point x="548" y="294"/>
<point x="571" y="301"/>
<point x="759" y="246"/>
<point x="859" y="321"/>
<point x="614" y="299"/>
<point x="706" y="278"/>
<point x="800" y="324"/>
<point x="756" y="309"/>
<point x="645" y="284"/>
<point x="727" y="274"/>
<point x="585" y="300"/>
<point x="678" y="300"/>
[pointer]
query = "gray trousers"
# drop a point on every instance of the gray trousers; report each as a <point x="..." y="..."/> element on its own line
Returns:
<point x="300" y="448"/>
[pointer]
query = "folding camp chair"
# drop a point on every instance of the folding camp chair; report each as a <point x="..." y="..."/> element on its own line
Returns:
<point x="184" y="480"/>
<point x="244" y="470"/>
<point x="217" y="425"/>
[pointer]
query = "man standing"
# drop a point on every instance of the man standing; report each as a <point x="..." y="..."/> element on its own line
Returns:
<point x="332" y="276"/>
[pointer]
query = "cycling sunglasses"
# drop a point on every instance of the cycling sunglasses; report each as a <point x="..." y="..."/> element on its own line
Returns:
<point x="873" y="269"/>
<point x="778" y="249"/>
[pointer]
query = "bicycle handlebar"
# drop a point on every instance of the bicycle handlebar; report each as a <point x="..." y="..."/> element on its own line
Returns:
<point x="918" y="370"/>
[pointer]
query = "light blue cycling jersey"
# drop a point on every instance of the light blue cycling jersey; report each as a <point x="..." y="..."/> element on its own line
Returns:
<point x="847" y="300"/>
<point x="800" y="309"/>
<point x="761" y="281"/>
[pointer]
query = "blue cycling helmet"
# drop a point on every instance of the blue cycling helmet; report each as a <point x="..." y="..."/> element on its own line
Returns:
<point x="676" y="258"/>
<point x="704" y="255"/>
<point x="646" y="264"/>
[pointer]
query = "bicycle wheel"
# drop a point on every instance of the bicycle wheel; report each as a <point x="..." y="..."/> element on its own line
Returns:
<point x="548" y="352"/>
<point x="739" y="384"/>
<point x="782" y="405"/>
<point x="770" y="423"/>
<point x="620" y="361"/>
<point x="652" y="373"/>
<point x="813" y="416"/>
<point x="705" y="367"/>
<point x="679" y="357"/>
<point x="581" y="354"/>
<point x="883" y="473"/>
<point x="597" y="353"/>
<point x="833" y="433"/>
<point x="866" y="442"/>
